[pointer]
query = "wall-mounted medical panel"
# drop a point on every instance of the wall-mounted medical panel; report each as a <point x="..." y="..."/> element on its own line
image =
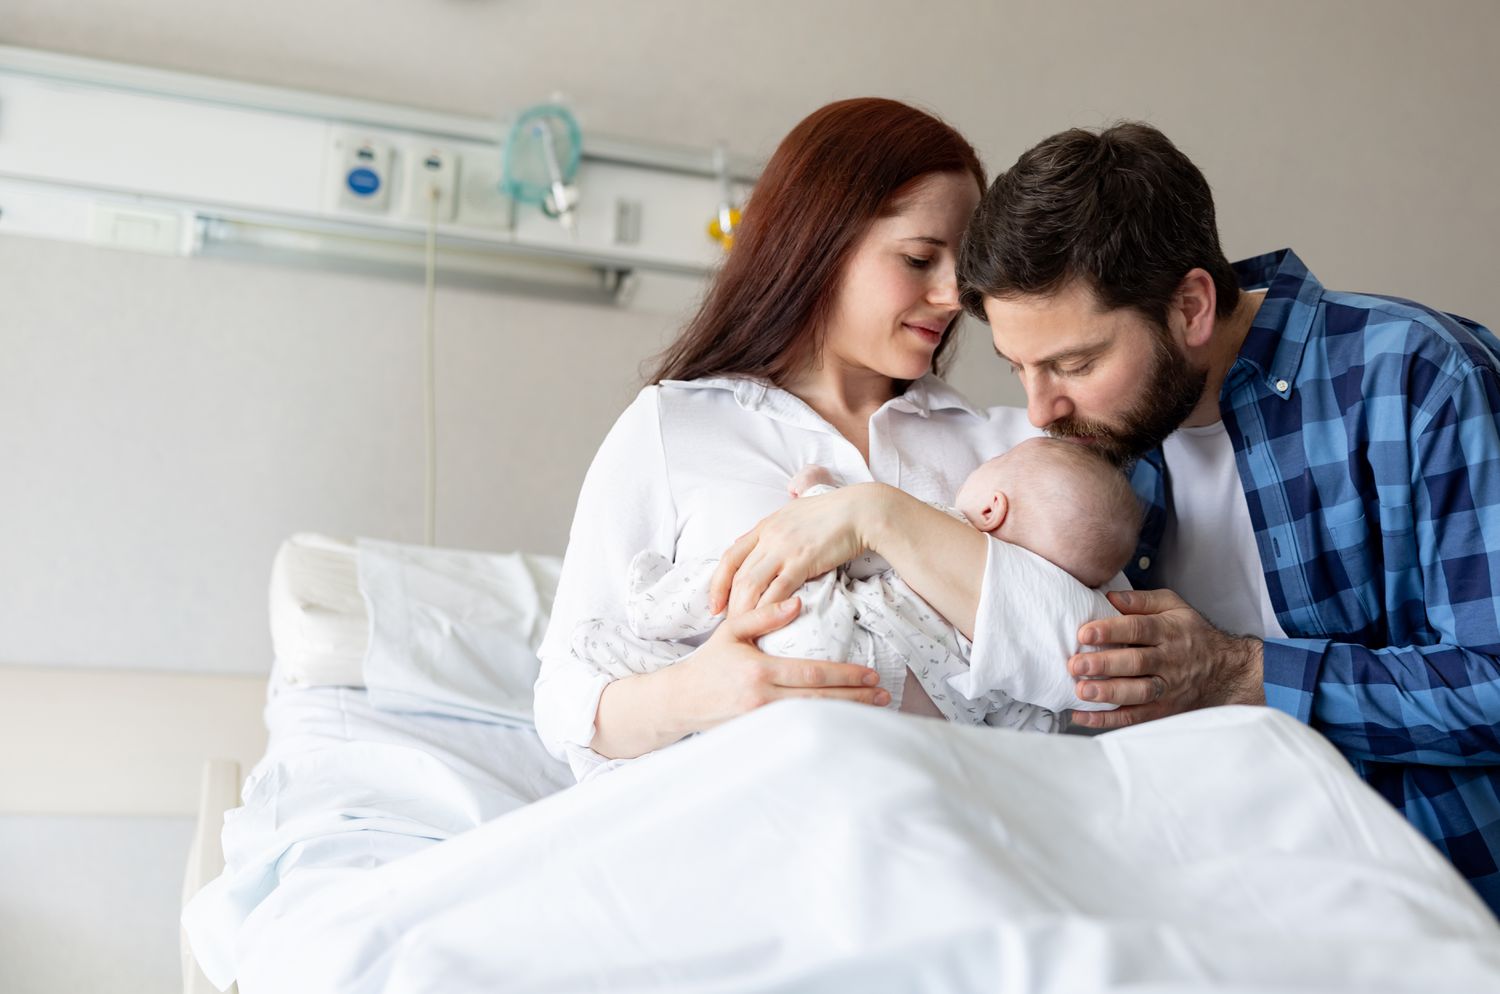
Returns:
<point x="147" y="159"/>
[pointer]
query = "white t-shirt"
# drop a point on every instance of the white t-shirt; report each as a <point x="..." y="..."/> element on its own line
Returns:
<point x="1208" y="552"/>
<point x="691" y="466"/>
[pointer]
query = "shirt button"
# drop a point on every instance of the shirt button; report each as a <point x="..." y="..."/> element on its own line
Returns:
<point x="1281" y="386"/>
<point x="1144" y="562"/>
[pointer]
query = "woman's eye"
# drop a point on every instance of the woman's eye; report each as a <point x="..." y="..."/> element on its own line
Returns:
<point x="917" y="262"/>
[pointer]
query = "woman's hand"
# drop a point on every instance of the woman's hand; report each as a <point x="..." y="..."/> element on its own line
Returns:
<point x="804" y="539"/>
<point x="941" y="558"/>
<point x="727" y="676"/>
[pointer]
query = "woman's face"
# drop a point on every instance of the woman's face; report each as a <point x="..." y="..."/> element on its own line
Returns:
<point x="898" y="294"/>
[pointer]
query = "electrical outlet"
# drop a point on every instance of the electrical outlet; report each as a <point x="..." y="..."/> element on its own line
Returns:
<point x="431" y="172"/>
<point x="138" y="228"/>
<point x="364" y="173"/>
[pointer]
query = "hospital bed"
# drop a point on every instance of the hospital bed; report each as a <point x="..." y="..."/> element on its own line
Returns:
<point x="406" y="831"/>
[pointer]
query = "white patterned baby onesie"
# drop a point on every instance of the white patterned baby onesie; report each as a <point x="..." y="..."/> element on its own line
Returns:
<point x="861" y="612"/>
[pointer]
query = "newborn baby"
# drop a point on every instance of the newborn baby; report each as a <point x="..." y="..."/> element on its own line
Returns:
<point x="1053" y="499"/>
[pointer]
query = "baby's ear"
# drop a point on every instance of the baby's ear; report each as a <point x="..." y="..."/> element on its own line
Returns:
<point x="992" y="515"/>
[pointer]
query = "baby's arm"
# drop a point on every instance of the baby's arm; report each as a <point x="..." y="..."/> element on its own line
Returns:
<point x="811" y="475"/>
<point x="669" y="600"/>
<point x="613" y="648"/>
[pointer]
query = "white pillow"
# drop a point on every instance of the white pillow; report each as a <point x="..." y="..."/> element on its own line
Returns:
<point x="319" y="626"/>
<point x="454" y="632"/>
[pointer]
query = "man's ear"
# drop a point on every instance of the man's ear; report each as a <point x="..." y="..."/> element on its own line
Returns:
<point x="992" y="516"/>
<point x="1193" y="308"/>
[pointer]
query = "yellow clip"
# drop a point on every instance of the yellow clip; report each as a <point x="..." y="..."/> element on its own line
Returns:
<point x="717" y="228"/>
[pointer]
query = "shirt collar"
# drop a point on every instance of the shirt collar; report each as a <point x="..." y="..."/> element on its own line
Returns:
<point x="1278" y="337"/>
<point x="922" y="398"/>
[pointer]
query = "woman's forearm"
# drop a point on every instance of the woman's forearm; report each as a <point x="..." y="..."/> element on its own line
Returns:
<point x="636" y="716"/>
<point x="939" y="557"/>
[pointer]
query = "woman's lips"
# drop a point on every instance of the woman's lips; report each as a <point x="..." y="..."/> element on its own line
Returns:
<point x="930" y="335"/>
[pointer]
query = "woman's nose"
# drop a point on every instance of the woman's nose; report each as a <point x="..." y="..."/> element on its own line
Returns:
<point x="943" y="291"/>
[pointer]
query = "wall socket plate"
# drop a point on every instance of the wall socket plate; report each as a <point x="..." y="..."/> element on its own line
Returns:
<point x="431" y="170"/>
<point x="140" y="229"/>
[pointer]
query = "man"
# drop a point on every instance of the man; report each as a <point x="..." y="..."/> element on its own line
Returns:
<point x="1321" y="473"/>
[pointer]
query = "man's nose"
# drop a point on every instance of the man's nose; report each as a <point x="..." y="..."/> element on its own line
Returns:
<point x="1044" y="402"/>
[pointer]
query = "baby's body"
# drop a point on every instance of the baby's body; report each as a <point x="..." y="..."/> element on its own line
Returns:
<point x="1046" y="498"/>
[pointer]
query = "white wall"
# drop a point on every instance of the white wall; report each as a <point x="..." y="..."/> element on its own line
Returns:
<point x="166" y="422"/>
<point x="89" y="904"/>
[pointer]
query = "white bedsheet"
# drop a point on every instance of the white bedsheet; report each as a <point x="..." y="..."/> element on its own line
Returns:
<point x="344" y="785"/>
<point x="826" y="847"/>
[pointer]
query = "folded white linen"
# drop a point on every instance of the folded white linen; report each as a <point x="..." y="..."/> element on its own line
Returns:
<point x="454" y="632"/>
<point x="815" y="846"/>
<point x="1032" y="612"/>
<point x="319" y="628"/>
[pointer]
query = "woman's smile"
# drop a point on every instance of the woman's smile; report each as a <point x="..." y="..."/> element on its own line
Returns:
<point x="932" y="334"/>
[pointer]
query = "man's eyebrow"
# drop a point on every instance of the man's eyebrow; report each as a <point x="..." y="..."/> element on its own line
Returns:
<point x="1076" y="352"/>
<point x="927" y="239"/>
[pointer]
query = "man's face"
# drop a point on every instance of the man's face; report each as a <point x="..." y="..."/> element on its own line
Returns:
<point x="1110" y="379"/>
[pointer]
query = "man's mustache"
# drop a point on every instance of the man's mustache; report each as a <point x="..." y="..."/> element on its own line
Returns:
<point x="1073" y="428"/>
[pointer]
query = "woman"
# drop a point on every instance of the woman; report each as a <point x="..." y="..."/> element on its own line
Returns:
<point x="818" y="343"/>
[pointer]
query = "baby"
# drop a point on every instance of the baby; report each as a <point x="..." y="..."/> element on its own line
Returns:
<point x="1053" y="499"/>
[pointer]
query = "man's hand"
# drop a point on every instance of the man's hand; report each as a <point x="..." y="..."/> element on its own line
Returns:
<point x="1169" y="659"/>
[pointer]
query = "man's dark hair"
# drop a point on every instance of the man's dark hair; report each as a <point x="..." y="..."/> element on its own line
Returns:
<point x="1123" y="210"/>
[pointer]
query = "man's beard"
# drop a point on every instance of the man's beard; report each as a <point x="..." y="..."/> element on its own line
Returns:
<point x="1172" y="391"/>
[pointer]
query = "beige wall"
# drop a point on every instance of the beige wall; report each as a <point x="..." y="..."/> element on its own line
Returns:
<point x="164" y="423"/>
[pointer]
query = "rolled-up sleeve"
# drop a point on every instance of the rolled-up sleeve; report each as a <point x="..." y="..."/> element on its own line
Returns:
<point x="1026" y="628"/>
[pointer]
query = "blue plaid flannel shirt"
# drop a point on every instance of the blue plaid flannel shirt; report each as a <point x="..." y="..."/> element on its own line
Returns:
<point x="1367" y="434"/>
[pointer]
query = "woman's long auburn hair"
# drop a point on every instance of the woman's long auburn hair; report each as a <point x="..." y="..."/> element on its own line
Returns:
<point x="842" y="167"/>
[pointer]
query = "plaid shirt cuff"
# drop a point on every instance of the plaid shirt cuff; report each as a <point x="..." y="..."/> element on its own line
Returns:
<point x="1290" y="673"/>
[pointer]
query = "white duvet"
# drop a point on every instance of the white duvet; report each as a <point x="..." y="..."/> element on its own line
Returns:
<point x="827" y="847"/>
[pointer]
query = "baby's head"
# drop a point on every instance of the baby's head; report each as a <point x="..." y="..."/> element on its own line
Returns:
<point x="1059" y="500"/>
